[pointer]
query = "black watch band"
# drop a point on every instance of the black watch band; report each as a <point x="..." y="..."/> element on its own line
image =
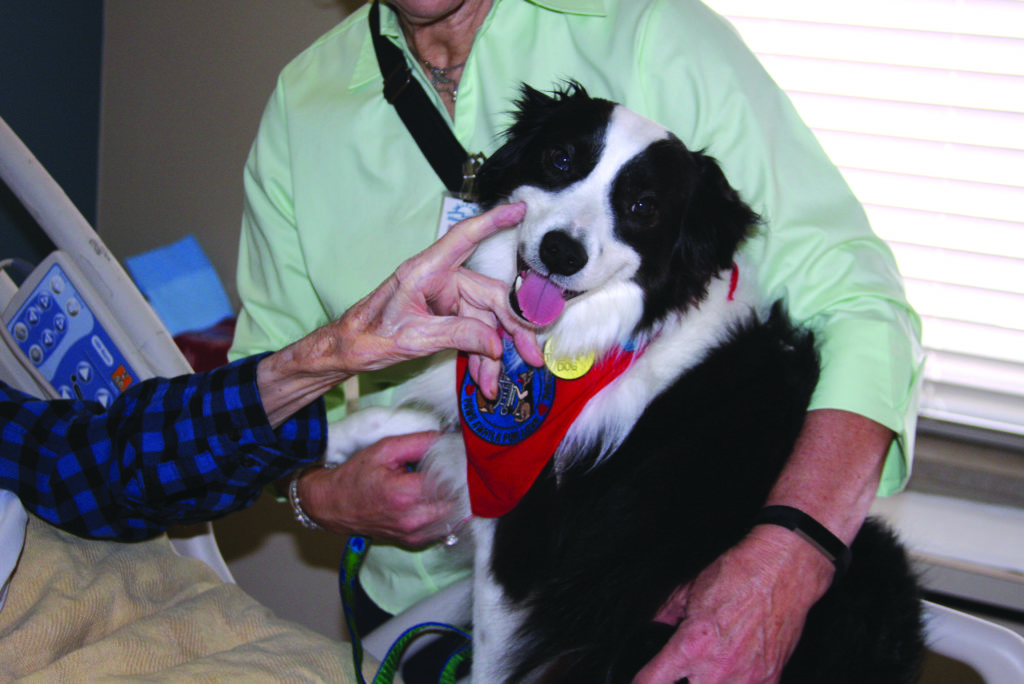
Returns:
<point x="811" y="530"/>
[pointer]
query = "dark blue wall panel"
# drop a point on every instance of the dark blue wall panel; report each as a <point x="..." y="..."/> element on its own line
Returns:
<point x="50" y="65"/>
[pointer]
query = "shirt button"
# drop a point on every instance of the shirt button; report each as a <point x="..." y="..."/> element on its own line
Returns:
<point x="248" y="462"/>
<point x="234" y="434"/>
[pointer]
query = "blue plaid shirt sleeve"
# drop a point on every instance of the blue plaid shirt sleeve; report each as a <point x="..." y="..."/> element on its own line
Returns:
<point x="166" y="451"/>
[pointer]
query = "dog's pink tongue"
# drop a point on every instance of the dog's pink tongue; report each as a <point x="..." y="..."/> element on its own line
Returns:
<point x="539" y="299"/>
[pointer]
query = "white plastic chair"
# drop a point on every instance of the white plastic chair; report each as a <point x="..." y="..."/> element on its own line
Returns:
<point x="993" y="651"/>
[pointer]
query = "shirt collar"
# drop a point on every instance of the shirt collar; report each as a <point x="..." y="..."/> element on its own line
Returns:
<point x="366" y="69"/>
<point x="591" y="7"/>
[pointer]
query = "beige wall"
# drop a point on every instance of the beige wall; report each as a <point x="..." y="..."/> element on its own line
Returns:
<point x="184" y="86"/>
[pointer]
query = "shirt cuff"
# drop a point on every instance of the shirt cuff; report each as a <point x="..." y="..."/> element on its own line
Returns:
<point x="235" y="421"/>
<point x="872" y="366"/>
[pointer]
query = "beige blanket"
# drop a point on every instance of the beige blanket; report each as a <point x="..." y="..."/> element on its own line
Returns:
<point x="84" y="611"/>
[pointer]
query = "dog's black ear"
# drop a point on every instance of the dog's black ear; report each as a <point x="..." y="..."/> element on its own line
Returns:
<point x="717" y="220"/>
<point x="533" y="109"/>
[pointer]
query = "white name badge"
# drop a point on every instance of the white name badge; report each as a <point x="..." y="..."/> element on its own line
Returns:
<point x="454" y="210"/>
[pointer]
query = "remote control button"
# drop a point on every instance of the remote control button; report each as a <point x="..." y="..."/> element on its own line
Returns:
<point x="44" y="300"/>
<point x="20" y="332"/>
<point x="48" y="338"/>
<point x="102" y="350"/>
<point x="84" y="372"/>
<point x="104" y="397"/>
<point x="32" y="315"/>
<point x="60" y="322"/>
<point x="73" y="307"/>
<point x="57" y="284"/>
<point x="35" y="352"/>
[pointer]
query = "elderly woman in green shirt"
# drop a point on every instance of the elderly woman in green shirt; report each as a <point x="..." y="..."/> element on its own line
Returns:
<point x="337" y="194"/>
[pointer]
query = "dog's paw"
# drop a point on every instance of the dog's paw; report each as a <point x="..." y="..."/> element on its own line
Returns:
<point x="444" y="464"/>
<point x="363" y="428"/>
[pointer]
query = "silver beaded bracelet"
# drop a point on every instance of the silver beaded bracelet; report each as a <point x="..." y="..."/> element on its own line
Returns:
<point x="293" y="498"/>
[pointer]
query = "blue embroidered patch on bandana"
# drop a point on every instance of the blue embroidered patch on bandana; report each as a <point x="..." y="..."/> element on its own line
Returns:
<point x="525" y="396"/>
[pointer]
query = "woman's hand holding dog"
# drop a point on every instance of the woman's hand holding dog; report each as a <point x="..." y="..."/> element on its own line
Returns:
<point x="743" y="614"/>
<point x="374" y="494"/>
<point x="740" y="620"/>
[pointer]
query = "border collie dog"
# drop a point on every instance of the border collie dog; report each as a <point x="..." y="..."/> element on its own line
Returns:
<point x="671" y="400"/>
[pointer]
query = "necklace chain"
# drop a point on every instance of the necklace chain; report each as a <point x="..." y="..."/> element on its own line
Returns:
<point x="439" y="78"/>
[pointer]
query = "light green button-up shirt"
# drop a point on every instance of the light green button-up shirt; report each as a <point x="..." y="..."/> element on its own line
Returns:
<point x="338" y="195"/>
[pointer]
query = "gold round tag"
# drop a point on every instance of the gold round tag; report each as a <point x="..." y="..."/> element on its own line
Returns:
<point x="566" y="368"/>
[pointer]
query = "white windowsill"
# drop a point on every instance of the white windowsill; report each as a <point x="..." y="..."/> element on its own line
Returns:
<point x="962" y="517"/>
<point x="958" y="530"/>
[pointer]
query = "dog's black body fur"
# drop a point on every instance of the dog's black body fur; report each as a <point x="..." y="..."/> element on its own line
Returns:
<point x="592" y="557"/>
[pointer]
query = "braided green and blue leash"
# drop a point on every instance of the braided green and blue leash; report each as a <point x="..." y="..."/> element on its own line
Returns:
<point x="351" y="561"/>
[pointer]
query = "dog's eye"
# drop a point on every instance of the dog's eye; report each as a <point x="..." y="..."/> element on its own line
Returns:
<point x="645" y="207"/>
<point x="559" y="159"/>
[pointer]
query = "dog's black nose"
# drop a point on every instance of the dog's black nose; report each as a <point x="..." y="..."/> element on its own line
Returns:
<point x="561" y="253"/>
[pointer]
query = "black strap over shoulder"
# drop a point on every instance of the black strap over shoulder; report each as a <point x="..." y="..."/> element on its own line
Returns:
<point x="425" y="123"/>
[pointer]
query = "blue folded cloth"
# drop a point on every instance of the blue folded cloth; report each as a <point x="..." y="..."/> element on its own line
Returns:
<point x="181" y="285"/>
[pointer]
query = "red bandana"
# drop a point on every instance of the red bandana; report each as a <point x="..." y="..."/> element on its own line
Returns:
<point x="510" y="440"/>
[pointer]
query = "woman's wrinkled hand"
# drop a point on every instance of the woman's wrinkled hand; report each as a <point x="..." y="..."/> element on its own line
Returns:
<point x="740" y="620"/>
<point x="375" y="494"/>
<point x="429" y="304"/>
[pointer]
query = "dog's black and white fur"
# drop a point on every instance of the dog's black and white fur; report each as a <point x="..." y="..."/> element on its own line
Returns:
<point x="666" y="467"/>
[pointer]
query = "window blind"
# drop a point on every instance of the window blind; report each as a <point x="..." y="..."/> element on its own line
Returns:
<point x="920" y="103"/>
